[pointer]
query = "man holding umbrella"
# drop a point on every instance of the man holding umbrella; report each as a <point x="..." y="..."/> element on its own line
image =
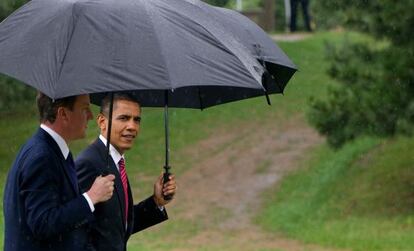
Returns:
<point x="118" y="218"/>
<point x="43" y="207"/>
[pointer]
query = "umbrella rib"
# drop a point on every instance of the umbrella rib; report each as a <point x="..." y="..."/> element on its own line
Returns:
<point x="237" y="44"/>
<point x="68" y="45"/>
<point x="148" y="10"/>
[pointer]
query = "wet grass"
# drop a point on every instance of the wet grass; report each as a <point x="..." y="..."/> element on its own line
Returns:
<point x="359" y="198"/>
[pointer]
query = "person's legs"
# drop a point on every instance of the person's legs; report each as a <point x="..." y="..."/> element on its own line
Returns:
<point x="306" y="16"/>
<point x="294" y="7"/>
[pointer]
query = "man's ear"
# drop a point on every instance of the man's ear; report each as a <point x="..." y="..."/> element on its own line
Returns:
<point x="62" y="114"/>
<point x="102" y="122"/>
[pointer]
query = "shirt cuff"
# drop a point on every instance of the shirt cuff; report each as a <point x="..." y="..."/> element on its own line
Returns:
<point x="89" y="202"/>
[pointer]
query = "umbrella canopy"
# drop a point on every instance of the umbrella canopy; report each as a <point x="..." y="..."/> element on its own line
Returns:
<point x="169" y="53"/>
<point x="261" y="45"/>
<point x="71" y="47"/>
<point x="255" y="39"/>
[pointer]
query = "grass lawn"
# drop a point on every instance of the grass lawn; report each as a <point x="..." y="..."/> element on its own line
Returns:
<point x="359" y="197"/>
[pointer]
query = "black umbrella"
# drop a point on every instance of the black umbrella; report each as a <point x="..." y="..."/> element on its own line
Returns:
<point x="255" y="39"/>
<point x="71" y="47"/>
<point x="168" y="53"/>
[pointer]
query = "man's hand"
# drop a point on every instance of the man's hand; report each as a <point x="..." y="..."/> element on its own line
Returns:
<point x="102" y="189"/>
<point x="161" y="189"/>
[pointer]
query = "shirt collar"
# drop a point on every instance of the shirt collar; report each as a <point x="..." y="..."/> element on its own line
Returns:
<point x="116" y="156"/>
<point x="58" y="139"/>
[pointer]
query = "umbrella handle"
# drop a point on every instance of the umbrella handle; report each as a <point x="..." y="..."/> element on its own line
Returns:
<point x="166" y="178"/>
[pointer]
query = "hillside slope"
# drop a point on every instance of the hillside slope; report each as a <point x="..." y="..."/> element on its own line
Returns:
<point x="360" y="197"/>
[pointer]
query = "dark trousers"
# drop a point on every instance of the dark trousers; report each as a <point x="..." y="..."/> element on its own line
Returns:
<point x="305" y="9"/>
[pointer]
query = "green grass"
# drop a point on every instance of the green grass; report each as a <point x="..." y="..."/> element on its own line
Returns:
<point x="359" y="197"/>
<point x="187" y="128"/>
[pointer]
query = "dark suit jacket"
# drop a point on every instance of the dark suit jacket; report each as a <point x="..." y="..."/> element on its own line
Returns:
<point x="109" y="232"/>
<point x="43" y="208"/>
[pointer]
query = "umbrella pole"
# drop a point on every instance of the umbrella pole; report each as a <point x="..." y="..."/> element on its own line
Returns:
<point x="167" y="167"/>
<point x="108" y="136"/>
<point x="266" y="75"/>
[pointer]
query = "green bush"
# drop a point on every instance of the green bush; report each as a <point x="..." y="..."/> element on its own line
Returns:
<point x="220" y="3"/>
<point x="14" y="94"/>
<point x="280" y="17"/>
<point x="375" y="96"/>
<point x="8" y="6"/>
<point x="325" y="17"/>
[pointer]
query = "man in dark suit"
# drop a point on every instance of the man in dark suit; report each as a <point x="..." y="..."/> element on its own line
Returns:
<point x="43" y="207"/>
<point x="118" y="218"/>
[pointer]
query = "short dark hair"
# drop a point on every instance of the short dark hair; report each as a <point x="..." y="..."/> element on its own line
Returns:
<point x="48" y="107"/>
<point x="117" y="96"/>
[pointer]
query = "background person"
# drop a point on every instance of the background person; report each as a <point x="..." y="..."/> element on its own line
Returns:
<point x="305" y="10"/>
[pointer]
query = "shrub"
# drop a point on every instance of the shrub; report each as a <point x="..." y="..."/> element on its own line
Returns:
<point x="375" y="95"/>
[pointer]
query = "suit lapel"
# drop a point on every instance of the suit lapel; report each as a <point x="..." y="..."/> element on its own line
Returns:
<point x="118" y="182"/>
<point x="52" y="143"/>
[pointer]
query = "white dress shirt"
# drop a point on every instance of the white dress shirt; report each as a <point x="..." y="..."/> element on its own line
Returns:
<point x="65" y="151"/>
<point x="116" y="156"/>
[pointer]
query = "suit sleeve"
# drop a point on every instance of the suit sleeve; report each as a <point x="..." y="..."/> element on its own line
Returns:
<point x="86" y="173"/>
<point x="40" y="191"/>
<point x="147" y="214"/>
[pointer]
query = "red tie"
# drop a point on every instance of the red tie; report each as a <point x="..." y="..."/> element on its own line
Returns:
<point x="124" y="179"/>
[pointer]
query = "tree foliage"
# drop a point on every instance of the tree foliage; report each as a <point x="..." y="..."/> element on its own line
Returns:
<point x="8" y="6"/>
<point x="376" y="92"/>
<point x="220" y="3"/>
<point x="323" y="17"/>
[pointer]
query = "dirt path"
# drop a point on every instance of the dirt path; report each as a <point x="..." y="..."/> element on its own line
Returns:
<point x="290" y="37"/>
<point x="224" y="190"/>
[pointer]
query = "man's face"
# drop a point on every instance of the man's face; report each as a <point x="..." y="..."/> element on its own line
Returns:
<point x="78" y="117"/>
<point x="126" y="119"/>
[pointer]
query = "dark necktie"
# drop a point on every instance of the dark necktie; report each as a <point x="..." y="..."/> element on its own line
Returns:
<point x="124" y="179"/>
<point x="71" y="170"/>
